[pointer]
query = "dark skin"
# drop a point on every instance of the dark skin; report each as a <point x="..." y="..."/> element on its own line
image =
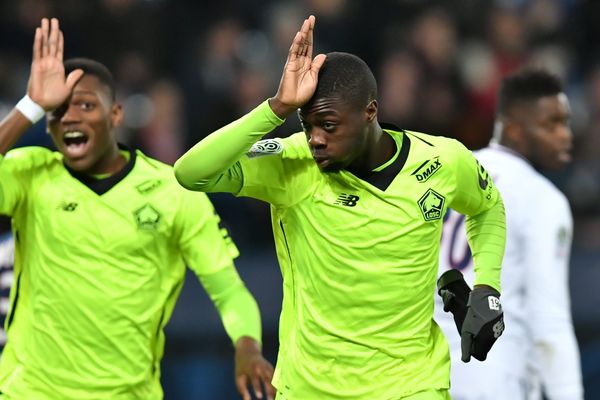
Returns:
<point x="540" y="131"/>
<point x="89" y="111"/>
<point x="341" y="134"/>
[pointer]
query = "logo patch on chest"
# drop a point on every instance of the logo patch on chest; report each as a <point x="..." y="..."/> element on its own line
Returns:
<point x="147" y="217"/>
<point x="348" y="200"/>
<point x="427" y="169"/>
<point x="431" y="205"/>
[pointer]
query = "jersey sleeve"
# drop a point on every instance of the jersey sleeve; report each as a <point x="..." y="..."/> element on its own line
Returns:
<point x="12" y="183"/>
<point x="209" y="251"/>
<point x="547" y="239"/>
<point x="476" y="197"/>
<point x="205" y="246"/>
<point x="233" y="159"/>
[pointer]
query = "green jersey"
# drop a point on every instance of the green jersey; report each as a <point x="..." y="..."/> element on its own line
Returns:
<point x="98" y="269"/>
<point x="359" y="256"/>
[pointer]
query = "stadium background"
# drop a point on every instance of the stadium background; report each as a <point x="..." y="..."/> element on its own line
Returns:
<point x="185" y="68"/>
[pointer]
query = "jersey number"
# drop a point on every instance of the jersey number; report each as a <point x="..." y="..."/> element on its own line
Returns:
<point x="456" y="247"/>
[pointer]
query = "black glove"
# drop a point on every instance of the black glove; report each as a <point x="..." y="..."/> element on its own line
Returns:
<point x="483" y="324"/>
<point x="455" y="294"/>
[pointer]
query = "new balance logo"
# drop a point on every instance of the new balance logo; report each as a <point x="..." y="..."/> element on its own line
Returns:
<point x="69" y="206"/>
<point x="427" y="169"/>
<point x="348" y="200"/>
<point x="498" y="328"/>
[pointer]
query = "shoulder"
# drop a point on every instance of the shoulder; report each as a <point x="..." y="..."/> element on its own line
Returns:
<point x="152" y="174"/>
<point x="30" y="158"/>
<point x="439" y="145"/>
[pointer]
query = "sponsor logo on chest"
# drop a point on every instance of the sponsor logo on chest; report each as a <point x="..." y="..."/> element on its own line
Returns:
<point x="427" y="169"/>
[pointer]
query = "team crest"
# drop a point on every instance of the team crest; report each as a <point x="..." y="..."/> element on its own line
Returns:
<point x="431" y="205"/>
<point x="147" y="217"/>
<point x="265" y="147"/>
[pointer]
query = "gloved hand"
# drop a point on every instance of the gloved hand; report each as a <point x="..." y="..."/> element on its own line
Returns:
<point x="455" y="294"/>
<point x="483" y="324"/>
<point x="477" y="313"/>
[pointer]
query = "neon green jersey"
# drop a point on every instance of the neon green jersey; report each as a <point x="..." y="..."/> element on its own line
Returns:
<point x="97" y="276"/>
<point x="359" y="257"/>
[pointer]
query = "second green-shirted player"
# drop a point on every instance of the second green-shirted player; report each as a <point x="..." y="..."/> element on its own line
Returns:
<point x="357" y="215"/>
<point x="102" y="238"/>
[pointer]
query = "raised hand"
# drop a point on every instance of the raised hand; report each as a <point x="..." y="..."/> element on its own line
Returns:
<point x="252" y="369"/>
<point x="47" y="84"/>
<point x="300" y="73"/>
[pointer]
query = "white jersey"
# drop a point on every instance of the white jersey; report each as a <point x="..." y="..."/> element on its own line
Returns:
<point x="538" y="346"/>
<point x="7" y="254"/>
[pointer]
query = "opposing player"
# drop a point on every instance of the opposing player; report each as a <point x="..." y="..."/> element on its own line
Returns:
<point x="532" y="133"/>
<point x="102" y="237"/>
<point x="357" y="212"/>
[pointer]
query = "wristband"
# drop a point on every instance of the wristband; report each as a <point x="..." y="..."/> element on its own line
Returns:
<point x="30" y="109"/>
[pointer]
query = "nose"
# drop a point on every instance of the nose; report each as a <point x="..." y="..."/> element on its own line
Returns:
<point x="316" y="139"/>
<point x="71" y="115"/>
<point x="565" y="134"/>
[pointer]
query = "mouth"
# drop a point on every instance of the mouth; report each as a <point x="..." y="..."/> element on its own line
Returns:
<point x="321" y="160"/>
<point x="75" y="144"/>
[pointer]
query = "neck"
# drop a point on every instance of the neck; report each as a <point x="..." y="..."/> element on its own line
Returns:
<point x="379" y="148"/>
<point x="111" y="163"/>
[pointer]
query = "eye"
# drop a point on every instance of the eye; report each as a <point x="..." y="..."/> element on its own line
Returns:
<point x="86" y="106"/>
<point x="329" y="126"/>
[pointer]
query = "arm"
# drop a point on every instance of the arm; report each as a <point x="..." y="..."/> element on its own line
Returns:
<point x="209" y="252"/>
<point x="241" y="318"/>
<point x="477" y="197"/>
<point x="212" y="164"/>
<point x="47" y="88"/>
<point x="556" y="353"/>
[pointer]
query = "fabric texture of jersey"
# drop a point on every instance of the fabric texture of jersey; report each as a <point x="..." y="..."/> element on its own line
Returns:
<point x="539" y="344"/>
<point x="359" y="263"/>
<point x="97" y="276"/>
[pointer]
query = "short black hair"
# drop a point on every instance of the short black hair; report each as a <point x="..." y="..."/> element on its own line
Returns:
<point x="95" y="68"/>
<point x="348" y="77"/>
<point x="527" y="85"/>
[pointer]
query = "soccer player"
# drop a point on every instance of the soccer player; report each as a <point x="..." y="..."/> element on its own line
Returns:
<point x="357" y="212"/>
<point x="102" y="237"/>
<point x="532" y="133"/>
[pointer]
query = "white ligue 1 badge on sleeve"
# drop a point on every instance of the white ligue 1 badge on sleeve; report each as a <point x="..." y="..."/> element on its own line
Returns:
<point x="265" y="147"/>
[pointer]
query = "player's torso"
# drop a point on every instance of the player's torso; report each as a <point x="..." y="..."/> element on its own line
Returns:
<point x="361" y="262"/>
<point x="94" y="273"/>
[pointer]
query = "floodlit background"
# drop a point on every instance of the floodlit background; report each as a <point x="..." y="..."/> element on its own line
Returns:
<point x="185" y="68"/>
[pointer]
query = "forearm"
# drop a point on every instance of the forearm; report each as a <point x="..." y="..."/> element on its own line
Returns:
<point x="208" y="160"/>
<point x="236" y="306"/>
<point x="486" y="233"/>
<point x="12" y="127"/>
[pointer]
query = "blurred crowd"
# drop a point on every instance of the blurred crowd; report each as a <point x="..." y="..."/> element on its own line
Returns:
<point x="185" y="68"/>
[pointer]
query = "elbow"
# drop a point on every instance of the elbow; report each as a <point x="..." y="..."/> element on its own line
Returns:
<point x="181" y="175"/>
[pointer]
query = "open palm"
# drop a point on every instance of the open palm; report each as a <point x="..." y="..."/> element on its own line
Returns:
<point x="47" y="84"/>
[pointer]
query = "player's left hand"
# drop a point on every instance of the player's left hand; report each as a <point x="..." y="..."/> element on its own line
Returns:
<point x="483" y="324"/>
<point x="251" y="368"/>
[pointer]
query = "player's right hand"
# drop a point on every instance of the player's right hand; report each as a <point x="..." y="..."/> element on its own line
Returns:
<point x="47" y="84"/>
<point x="300" y="73"/>
<point x="483" y="324"/>
<point x="252" y="370"/>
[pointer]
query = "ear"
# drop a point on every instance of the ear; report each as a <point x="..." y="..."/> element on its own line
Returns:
<point x="512" y="135"/>
<point x="116" y="116"/>
<point x="371" y="110"/>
